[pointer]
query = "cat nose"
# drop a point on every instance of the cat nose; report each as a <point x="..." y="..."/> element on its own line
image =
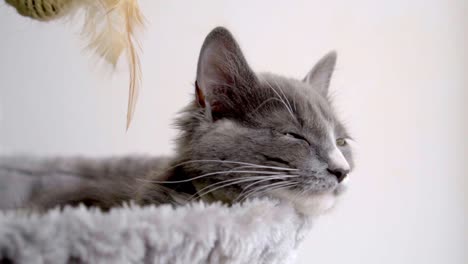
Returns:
<point x="337" y="164"/>
<point x="339" y="173"/>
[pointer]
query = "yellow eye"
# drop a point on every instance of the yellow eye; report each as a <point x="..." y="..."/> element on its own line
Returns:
<point x="341" y="142"/>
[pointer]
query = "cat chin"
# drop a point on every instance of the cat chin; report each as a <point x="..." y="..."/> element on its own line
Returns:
<point x="314" y="204"/>
<point x="309" y="205"/>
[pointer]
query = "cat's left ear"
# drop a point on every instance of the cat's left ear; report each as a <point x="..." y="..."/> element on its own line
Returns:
<point x="320" y="75"/>
<point x="224" y="79"/>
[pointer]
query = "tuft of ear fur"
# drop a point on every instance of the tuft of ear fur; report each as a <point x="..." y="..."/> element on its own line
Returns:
<point x="320" y="75"/>
<point x="222" y="73"/>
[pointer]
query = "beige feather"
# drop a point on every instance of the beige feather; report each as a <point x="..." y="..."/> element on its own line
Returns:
<point x="110" y="27"/>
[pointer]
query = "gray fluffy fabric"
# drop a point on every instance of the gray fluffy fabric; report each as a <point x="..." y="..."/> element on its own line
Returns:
<point x="258" y="231"/>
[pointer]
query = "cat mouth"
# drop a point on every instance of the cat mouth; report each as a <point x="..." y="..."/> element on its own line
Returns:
<point x="308" y="184"/>
<point x="342" y="187"/>
<point x="309" y="204"/>
<point x="312" y="201"/>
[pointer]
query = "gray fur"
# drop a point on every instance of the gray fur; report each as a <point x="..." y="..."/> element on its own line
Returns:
<point x="245" y="117"/>
<point x="238" y="117"/>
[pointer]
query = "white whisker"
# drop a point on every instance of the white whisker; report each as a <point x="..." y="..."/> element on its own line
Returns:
<point x="268" y="187"/>
<point x="232" y="182"/>
<point x="266" y="101"/>
<point x="215" y="173"/>
<point x="280" y="98"/>
<point x="234" y="162"/>
<point x="291" y="184"/>
<point x="252" y="184"/>
<point x="284" y="95"/>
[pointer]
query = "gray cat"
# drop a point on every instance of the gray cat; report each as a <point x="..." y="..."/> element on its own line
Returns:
<point x="244" y="135"/>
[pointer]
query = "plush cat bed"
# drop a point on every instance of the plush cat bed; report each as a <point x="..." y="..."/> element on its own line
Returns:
<point x="258" y="231"/>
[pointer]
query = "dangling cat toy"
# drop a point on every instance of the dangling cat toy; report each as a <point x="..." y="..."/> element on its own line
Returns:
<point x="109" y="26"/>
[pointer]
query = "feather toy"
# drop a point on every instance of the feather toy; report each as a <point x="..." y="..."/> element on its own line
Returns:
<point x="110" y="27"/>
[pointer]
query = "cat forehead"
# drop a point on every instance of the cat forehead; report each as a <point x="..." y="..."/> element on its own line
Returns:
<point x="290" y="88"/>
<point x="299" y="99"/>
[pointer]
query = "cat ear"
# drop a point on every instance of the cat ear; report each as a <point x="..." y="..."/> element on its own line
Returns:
<point x="222" y="73"/>
<point x="319" y="77"/>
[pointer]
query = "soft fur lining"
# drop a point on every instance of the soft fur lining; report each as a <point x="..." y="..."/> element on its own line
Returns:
<point x="258" y="231"/>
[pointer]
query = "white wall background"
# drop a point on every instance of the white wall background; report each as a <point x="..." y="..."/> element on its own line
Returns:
<point x="401" y="85"/>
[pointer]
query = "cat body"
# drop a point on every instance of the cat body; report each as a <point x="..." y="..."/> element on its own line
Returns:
<point x="244" y="135"/>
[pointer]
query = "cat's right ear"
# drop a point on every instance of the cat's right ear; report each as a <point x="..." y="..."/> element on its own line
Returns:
<point x="222" y="69"/>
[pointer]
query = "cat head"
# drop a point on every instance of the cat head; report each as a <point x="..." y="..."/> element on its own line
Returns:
<point x="248" y="135"/>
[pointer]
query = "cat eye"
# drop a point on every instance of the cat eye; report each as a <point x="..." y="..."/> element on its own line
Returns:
<point x="296" y="136"/>
<point x="341" y="142"/>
